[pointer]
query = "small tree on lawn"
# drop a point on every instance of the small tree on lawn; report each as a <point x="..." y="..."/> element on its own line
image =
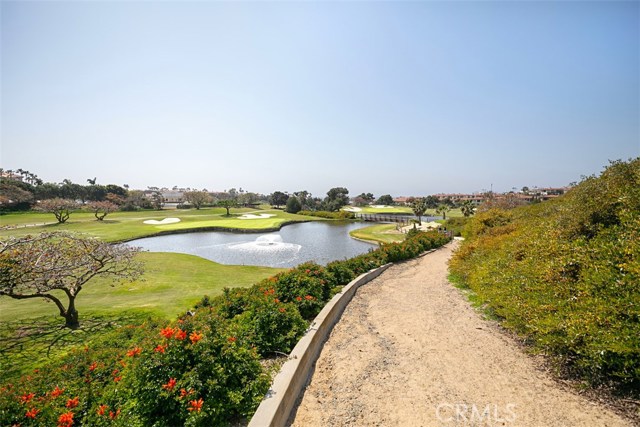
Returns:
<point x="419" y="207"/>
<point x="197" y="198"/>
<point x="228" y="204"/>
<point x="442" y="210"/>
<point x="38" y="266"/>
<point x="102" y="209"/>
<point x="61" y="208"/>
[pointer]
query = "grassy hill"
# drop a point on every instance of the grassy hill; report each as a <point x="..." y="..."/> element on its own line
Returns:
<point x="565" y="274"/>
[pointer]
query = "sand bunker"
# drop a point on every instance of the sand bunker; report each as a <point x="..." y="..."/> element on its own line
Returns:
<point x="352" y="209"/>
<point x="252" y="216"/>
<point x="163" y="222"/>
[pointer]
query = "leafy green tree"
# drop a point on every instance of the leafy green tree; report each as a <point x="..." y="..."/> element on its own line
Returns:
<point x="116" y="189"/>
<point x="157" y="200"/>
<point x="72" y="191"/>
<point x="278" y="199"/>
<point x="60" y="208"/>
<point x="336" y="198"/>
<point x="467" y="208"/>
<point x="48" y="264"/>
<point x="419" y="207"/>
<point x="48" y="190"/>
<point x="305" y="199"/>
<point x="197" y="198"/>
<point x="293" y="205"/>
<point x="432" y="202"/>
<point x="442" y="210"/>
<point x="386" y="200"/>
<point x="228" y="204"/>
<point x="367" y="198"/>
<point x="96" y="192"/>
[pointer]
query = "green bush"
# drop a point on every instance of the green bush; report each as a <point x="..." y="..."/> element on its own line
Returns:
<point x="329" y="215"/>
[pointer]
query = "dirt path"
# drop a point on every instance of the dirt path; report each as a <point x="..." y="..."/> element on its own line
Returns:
<point x="410" y="351"/>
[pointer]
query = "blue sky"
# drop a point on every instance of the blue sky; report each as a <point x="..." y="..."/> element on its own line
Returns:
<point x="405" y="98"/>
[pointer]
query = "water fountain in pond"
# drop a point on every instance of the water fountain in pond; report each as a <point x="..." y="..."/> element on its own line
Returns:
<point x="268" y="247"/>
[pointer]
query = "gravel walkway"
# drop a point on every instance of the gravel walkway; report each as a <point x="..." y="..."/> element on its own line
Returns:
<point x="410" y="351"/>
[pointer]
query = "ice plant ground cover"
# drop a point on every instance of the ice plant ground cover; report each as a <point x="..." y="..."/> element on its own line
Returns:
<point x="209" y="367"/>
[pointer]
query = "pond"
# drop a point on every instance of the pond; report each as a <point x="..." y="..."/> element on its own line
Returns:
<point x="294" y="244"/>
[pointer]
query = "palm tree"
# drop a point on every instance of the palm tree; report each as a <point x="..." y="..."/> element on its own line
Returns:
<point x="419" y="207"/>
<point x="467" y="208"/>
<point x="442" y="210"/>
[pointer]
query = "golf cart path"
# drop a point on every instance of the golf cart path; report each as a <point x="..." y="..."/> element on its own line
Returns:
<point x="409" y="350"/>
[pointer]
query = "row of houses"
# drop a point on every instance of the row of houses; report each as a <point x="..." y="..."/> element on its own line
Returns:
<point x="537" y="194"/>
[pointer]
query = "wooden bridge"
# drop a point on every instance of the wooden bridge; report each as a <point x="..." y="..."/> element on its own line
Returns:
<point x="400" y="219"/>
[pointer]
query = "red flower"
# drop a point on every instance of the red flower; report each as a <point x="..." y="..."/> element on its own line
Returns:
<point x="102" y="409"/>
<point x="93" y="366"/>
<point x="57" y="392"/>
<point x="195" y="337"/>
<point x="308" y="297"/>
<point x="180" y="334"/>
<point x="114" y="415"/>
<point x="276" y="300"/>
<point x="65" y="420"/>
<point x="307" y="271"/>
<point x="167" y="332"/>
<point x="134" y="352"/>
<point x="117" y="379"/>
<point x="170" y="384"/>
<point x="231" y="339"/>
<point x="31" y="413"/>
<point x="184" y="393"/>
<point x="195" y="405"/>
<point x="26" y="398"/>
<point x="72" y="403"/>
<point x="298" y="298"/>
<point x="160" y="348"/>
<point x="282" y="309"/>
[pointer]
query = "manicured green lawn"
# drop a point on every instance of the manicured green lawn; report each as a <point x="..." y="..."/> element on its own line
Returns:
<point x="120" y="226"/>
<point x="388" y="209"/>
<point x="172" y="283"/>
<point x="384" y="233"/>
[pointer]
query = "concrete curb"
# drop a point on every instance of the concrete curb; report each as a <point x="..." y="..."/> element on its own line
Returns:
<point x="281" y="399"/>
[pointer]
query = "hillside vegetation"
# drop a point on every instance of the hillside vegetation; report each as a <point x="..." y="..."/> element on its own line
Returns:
<point x="565" y="274"/>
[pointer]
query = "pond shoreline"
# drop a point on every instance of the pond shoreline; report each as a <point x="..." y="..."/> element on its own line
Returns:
<point x="213" y="228"/>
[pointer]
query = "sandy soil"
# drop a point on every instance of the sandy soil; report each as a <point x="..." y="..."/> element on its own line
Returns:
<point x="161" y="222"/>
<point x="252" y="216"/>
<point x="410" y="351"/>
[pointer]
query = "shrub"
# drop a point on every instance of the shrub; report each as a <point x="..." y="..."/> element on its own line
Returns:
<point x="329" y="215"/>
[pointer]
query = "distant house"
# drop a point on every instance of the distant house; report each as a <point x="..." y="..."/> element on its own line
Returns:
<point x="402" y="201"/>
<point x="11" y="175"/>
<point x="172" y="196"/>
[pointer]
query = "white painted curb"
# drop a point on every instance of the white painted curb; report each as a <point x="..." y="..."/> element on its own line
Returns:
<point x="276" y="408"/>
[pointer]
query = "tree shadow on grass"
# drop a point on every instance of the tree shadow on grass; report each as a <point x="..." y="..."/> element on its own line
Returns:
<point x="27" y="344"/>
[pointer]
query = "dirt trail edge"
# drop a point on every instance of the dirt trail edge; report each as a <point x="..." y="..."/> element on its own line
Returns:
<point x="409" y="350"/>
